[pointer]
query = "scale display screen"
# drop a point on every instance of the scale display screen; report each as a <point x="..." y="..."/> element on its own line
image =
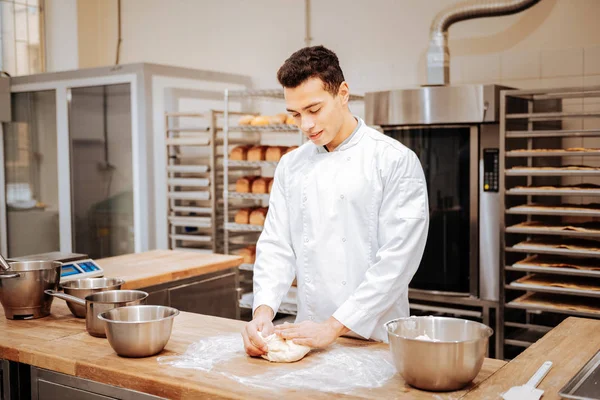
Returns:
<point x="80" y="269"/>
<point x="68" y="269"/>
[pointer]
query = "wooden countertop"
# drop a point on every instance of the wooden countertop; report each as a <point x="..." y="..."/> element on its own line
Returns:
<point x="569" y="346"/>
<point x="59" y="343"/>
<point x="160" y="266"/>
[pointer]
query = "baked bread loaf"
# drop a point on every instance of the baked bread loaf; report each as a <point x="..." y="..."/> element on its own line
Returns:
<point x="261" y="120"/>
<point x="243" y="216"/>
<point x="258" y="216"/>
<point x="246" y="120"/>
<point x="249" y="254"/>
<point x="244" y="184"/>
<point x="257" y="153"/>
<point x="289" y="149"/>
<point x="239" y="153"/>
<point x="278" y="119"/>
<point x="261" y="185"/>
<point x="289" y="120"/>
<point x="270" y="186"/>
<point x="274" y="153"/>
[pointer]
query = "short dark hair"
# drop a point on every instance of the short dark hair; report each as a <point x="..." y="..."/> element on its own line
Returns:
<point x="312" y="62"/>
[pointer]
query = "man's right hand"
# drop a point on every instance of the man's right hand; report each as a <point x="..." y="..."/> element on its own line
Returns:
<point x="262" y="322"/>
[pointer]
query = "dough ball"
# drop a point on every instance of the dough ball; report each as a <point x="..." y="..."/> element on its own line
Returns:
<point x="283" y="350"/>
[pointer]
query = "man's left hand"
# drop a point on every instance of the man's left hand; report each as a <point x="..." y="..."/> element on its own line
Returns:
<point x="312" y="334"/>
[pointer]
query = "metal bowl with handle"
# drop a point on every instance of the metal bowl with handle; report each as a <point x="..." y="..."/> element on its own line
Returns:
<point x="97" y="303"/>
<point x="438" y="353"/>
<point x="139" y="331"/>
<point x="22" y="288"/>
<point x="82" y="287"/>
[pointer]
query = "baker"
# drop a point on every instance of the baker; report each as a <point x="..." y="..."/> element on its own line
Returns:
<point x="348" y="217"/>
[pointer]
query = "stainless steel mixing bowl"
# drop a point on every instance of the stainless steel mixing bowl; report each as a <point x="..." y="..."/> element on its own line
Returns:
<point x="83" y="287"/>
<point x="97" y="303"/>
<point x="22" y="288"/>
<point x="139" y="331"/>
<point x="450" y="362"/>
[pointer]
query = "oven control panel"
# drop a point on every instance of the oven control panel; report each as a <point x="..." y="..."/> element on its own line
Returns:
<point x="491" y="170"/>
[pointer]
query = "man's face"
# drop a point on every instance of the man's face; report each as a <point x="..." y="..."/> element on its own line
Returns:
<point x="318" y="114"/>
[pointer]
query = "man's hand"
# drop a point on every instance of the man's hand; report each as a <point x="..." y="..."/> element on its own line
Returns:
<point x="262" y="322"/>
<point x="312" y="334"/>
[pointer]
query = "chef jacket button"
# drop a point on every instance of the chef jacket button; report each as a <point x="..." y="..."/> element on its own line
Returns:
<point x="343" y="239"/>
<point x="307" y="280"/>
<point x="311" y="318"/>
<point x="348" y="158"/>
<point x="304" y="198"/>
<point x="305" y="240"/>
<point x="343" y="282"/>
<point x="342" y="197"/>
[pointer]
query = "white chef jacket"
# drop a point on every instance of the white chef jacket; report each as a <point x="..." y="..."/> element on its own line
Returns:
<point x="351" y="226"/>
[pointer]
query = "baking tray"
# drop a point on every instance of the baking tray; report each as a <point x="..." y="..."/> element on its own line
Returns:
<point x="543" y="231"/>
<point x="552" y="172"/>
<point x="549" y="304"/>
<point x="553" y="289"/>
<point x="585" y="385"/>
<point x="525" y="210"/>
<point x="553" y="270"/>
<point x="561" y="153"/>
<point x="553" y="192"/>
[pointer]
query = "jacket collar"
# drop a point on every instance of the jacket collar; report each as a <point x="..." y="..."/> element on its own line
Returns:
<point x="350" y="141"/>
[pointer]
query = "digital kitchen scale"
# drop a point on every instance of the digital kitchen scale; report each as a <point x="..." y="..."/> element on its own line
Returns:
<point x="75" y="266"/>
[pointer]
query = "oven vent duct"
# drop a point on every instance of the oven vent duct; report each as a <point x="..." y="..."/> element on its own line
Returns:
<point x="438" y="55"/>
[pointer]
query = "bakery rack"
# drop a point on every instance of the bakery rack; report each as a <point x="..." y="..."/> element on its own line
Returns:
<point x="550" y="258"/>
<point x="192" y="181"/>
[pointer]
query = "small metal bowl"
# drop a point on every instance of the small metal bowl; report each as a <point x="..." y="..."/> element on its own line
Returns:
<point x="449" y="362"/>
<point x="83" y="287"/>
<point x="139" y="331"/>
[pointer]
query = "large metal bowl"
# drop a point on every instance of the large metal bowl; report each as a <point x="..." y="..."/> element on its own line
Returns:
<point x="22" y="288"/>
<point x="82" y="287"/>
<point x="449" y="362"/>
<point x="139" y="331"/>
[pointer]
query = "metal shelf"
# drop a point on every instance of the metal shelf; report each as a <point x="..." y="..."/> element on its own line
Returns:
<point x="191" y="209"/>
<point x="264" y="128"/>
<point x="554" y="116"/>
<point x="525" y="303"/>
<point x="552" y="289"/>
<point x="543" y="231"/>
<point x="199" y="129"/>
<point x="230" y="226"/>
<point x="557" y="211"/>
<point x="552" y="172"/>
<point x="553" y="192"/>
<point x="250" y="196"/>
<point x="200" y="222"/>
<point x="189" y="182"/>
<point x="251" y="164"/>
<point x="188" y="141"/>
<point x="191" y="238"/>
<point x="188" y="169"/>
<point x="189" y="195"/>
<point x="552" y="133"/>
<point x="553" y="251"/>
<point x="553" y="270"/>
<point x="554" y="153"/>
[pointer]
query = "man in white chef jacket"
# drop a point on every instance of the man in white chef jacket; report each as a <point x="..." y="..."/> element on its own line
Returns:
<point x="348" y="217"/>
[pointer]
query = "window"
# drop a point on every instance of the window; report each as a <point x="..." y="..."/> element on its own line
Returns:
<point x="21" y="37"/>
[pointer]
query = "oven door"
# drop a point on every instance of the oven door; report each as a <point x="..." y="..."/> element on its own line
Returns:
<point x="449" y="156"/>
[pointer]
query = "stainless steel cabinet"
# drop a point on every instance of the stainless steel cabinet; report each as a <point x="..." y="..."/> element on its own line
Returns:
<point x="48" y="385"/>
<point x="211" y="294"/>
<point x="4" y="381"/>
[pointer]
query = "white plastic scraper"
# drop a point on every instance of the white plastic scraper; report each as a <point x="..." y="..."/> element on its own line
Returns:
<point x="529" y="390"/>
